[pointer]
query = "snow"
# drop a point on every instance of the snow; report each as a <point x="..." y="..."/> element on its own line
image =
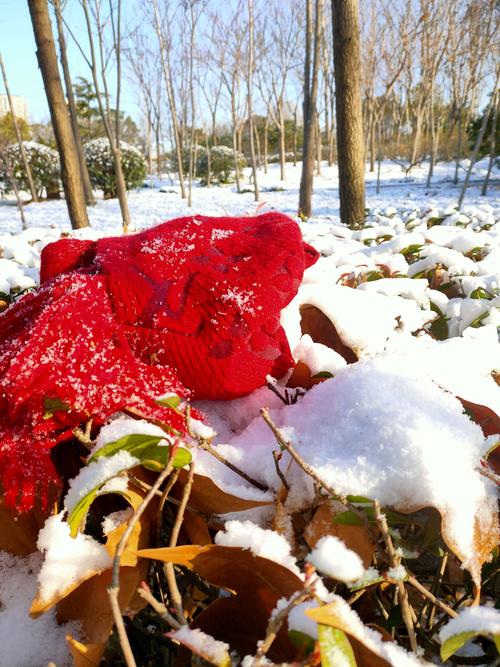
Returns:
<point x="317" y="357"/>
<point x="28" y="642"/>
<point x="67" y="560"/>
<point x="398" y="573"/>
<point x="202" y="644"/>
<point x="472" y="619"/>
<point x="331" y="557"/>
<point x="264" y="543"/>
<point x="96" y="473"/>
<point x="379" y="430"/>
<point x="386" y="427"/>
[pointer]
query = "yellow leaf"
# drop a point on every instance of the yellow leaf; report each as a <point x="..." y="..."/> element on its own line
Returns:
<point x="85" y="655"/>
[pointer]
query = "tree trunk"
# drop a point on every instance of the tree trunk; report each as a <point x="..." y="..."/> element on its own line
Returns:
<point x="310" y="93"/>
<point x="63" y="57"/>
<point x="209" y="162"/>
<point x="473" y="157"/>
<point x="347" y="66"/>
<point x="47" y="60"/>
<point x="113" y="138"/>
<point x="459" y="147"/>
<point x="281" y="129"/>
<point x="484" y="189"/>
<point x="24" y="157"/>
<point x="266" y="131"/>
<point x="249" y="100"/>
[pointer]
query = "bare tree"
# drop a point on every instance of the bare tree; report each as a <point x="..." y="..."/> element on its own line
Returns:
<point x="47" y="60"/>
<point x="312" y="47"/>
<point x="162" y="24"/>
<point x="93" y="13"/>
<point x="347" y="65"/>
<point x="24" y="157"/>
<point x="87" y="187"/>
<point x="250" y="95"/>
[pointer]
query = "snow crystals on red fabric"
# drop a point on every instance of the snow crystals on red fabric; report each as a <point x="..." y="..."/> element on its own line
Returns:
<point x="191" y="306"/>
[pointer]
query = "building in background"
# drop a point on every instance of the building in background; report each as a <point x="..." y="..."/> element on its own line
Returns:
<point x="20" y="106"/>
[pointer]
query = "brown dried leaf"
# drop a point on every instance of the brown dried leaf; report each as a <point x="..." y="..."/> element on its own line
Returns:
<point x="19" y="532"/>
<point x="195" y="530"/>
<point x="232" y="568"/>
<point x="257" y="584"/>
<point x="208" y="498"/>
<point x="89" y="603"/>
<point x="315" y="323"/>
<point x="85" y="655"/>
<point x="487" y="418"/>
<point x="360" y="539"/>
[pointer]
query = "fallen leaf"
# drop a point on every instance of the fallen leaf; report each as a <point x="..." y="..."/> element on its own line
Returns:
<point x="208" y="498"/>
<point x="315" y="323"/>
<point x="256" y="583"/>
<point x="89" y="603"/>
<point x="360" y="539"/>
<point x="19" y="532"/>
<point x="85" y="655"/>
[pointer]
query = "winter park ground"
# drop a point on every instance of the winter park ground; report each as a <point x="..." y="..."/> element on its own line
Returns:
<point x="413" y="300"/>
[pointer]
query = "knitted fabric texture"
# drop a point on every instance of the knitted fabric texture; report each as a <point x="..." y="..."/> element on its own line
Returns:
<point x="191" y="306"/>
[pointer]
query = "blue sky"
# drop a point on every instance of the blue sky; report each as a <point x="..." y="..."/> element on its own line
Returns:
<point x="17" y="45"/>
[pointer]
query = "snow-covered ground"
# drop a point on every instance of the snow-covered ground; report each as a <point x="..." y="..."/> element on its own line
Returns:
<point x="388" y="426"/>
<point x="151" y="206"/>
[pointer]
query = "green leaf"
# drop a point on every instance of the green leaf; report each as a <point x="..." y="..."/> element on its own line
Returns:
<point x="323" y="374"/>
<point x="414" y="249"/>
<point x="480" y="293"/>
<point x="156" y="458"/>
<point x="478" y="322"/>
<point x="360" y="500"/>
<point x="439" y="326"/>
<point x="302" y="641"/>
<point x="145" y="448"/>
<point x="395" y="618"/>
<point x="454" y="643"/>
<point x="348" y="518"/>
<point x="334" y="647"/>
<point x="52" y="405"/>
<point x="78" y="515"/>
<point x="173" y="401"/>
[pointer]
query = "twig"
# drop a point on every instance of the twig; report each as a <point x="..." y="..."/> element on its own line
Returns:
<point x="287" y="398"/>
<point x="279" y="472"/>
<point x="395" y="561"/>
<point x="205" y="444"/>
<point x="175" y="595"/>
<point x="486" y="471"/>
<point x="275" y="622"/>
<point x="164" y="496"/>
<point x="436" y="587"/>
<point x="158" y="606"/>
<point x="287" y="445"/>
<point x="431" y="597"/>
<point x="114" y="588"/>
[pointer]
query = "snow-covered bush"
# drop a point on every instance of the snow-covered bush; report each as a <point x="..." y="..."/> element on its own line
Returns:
<point x="101" y="168"/>
<point x="222" y="164"/>
<point x="44" y="164"/>
<point x="199" y="153"/>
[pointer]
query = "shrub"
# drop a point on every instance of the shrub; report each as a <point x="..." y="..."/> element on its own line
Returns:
<point x="44" y="164"/>
<point x="201" y="153"/>
<point x="222" y="164"/>
<point x="101" y="168"/>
